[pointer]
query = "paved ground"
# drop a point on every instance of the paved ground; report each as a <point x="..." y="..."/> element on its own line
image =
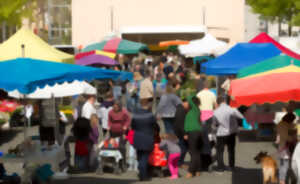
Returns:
<point x="247" y="173"/>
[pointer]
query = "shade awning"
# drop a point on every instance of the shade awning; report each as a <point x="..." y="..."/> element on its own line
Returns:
<point x="208" y="45"/>
<point x="269" y="88"/>
<point x="265" y="38"/>
<point x="162" y="29"/>
<point x="240" y="56"/>
<point x="117" y="45"/>
<point x="58" y="91"/>
<point x="26" y="74"/>
<point x="96" y="59"/>
<point x="267" y="65"/>
<point x="35" y="48"/>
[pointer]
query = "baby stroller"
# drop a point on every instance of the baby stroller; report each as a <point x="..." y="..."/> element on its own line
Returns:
<point x="110" y="154"/>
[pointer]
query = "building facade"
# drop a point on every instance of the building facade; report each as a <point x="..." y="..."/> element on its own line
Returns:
<point x="146" y="20"/>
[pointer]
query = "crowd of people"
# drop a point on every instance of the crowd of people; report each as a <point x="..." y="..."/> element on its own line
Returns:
<point x="195" y="120"/>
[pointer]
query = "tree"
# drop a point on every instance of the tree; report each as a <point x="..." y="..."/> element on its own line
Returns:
<point x="282" y="11"/>
<point x="12" y="13"/>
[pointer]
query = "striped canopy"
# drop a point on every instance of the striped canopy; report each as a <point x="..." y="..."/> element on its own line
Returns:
<point x="117" y="45"/>
<point x="273" y="63"/>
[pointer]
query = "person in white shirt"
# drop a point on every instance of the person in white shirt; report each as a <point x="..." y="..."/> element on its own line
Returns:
<point x="89" y="107"/>
<point x="225" y="118"/>
<point x="146" y="90"/>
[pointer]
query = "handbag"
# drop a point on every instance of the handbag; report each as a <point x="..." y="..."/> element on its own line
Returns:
<point x="157" y="157"/>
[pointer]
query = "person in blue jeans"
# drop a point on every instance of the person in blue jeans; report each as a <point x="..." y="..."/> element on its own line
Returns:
<point x="166" y="108"/>
<point x="132" y="95"/>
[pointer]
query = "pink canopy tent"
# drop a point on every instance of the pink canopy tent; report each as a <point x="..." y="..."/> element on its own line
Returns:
<point x="265" y="38"/>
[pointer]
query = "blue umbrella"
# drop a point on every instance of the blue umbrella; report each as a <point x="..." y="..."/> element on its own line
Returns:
<point x="240" y="56"/>
<point x="26" y="74"/>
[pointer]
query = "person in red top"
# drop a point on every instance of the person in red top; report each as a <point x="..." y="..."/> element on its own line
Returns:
<point x="118" y="123"/>
<point x="118" y="120"/>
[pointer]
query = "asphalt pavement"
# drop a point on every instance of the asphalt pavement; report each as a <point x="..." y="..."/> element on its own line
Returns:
<point x="247" y="172"/>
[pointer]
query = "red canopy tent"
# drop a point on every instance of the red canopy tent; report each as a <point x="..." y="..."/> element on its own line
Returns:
<point x="265" y="38"/>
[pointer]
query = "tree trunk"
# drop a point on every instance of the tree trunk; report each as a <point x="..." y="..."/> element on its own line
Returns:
<point x="279" y="27"/>
<point x="3" y="31"/>
<point x="267" y="26"/>
<point x="290" y="28"/>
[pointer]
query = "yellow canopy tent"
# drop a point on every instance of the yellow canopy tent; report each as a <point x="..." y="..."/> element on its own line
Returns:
<point x="35" y="48"/>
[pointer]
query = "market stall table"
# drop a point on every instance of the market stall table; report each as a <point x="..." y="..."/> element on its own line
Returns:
<point x="265" y="125"/>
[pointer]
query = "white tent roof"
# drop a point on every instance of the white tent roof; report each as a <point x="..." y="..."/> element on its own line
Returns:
<point x="206" y="46"/>
<point x="292" y="43"/>
<point x="58" y="90"/>
<point x="162" y="29"/>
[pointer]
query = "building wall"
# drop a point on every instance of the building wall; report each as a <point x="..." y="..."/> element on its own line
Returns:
<point x="91" y="19"/>
<point x="252" y="24"/>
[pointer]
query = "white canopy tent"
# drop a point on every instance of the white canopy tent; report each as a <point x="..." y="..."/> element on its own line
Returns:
<point x="58" y="90"/>
<point x="292" y="43"/>
<point x="206" y="46"/>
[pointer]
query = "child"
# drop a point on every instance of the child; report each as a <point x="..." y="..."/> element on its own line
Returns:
<point x="132" y="161"/>
<point x="169" y="143"/>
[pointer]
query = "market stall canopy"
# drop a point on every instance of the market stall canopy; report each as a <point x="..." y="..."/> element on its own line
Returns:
<point x="240" y="56"/>
<point x="96" y="59"/>
<point x="265" y="38"/>
<point x="117" y="45"/>
<point x="208" y="45"/>
<point x="269" y="88"/>
<point x="58" y="91"/>
<point x="99" y="52"/>
<point x="173" y="42"/>
<point x="292" y="43"/>
<point x="35" y="48"/>
<point x="267" y="65"/>
<point x="162" y="29"/>
<point x="26" y="74"/>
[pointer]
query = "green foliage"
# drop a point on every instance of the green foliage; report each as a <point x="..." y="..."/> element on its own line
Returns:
<point x="18" y="110"/>
<point x="2" y="121"/>
<point x="13" y="11"/>
<point x="283" y="11"/>
<point x="275" y="9"/>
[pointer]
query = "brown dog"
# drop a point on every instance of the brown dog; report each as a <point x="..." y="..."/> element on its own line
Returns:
<point x="269" y="167"/>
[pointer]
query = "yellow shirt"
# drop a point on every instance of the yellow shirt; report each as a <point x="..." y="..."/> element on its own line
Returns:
<point x="207" y="99"/>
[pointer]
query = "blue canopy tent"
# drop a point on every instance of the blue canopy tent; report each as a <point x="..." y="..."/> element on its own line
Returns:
<point x="26" y="74"/>
<point x="238" y="57"/>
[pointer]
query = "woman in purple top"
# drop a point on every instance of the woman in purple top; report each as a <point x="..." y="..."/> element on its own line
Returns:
<point x="93" y="136"/>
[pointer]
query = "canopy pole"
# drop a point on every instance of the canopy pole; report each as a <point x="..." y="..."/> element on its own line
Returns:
<point x="25" y="123"/>
<point x="23" y="50"/>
